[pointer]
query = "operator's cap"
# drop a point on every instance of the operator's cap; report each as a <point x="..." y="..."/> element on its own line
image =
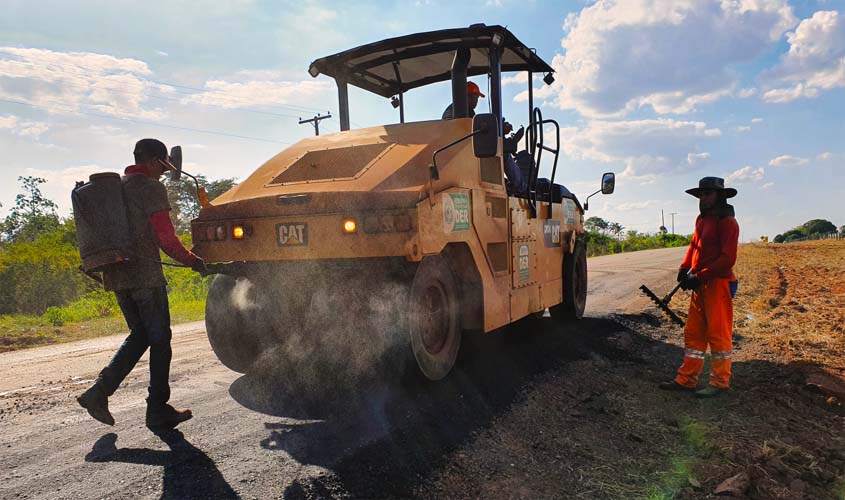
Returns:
<point x="472" y="89"/>
<point x="712" y="184"/>
<point x="153" y="148"/>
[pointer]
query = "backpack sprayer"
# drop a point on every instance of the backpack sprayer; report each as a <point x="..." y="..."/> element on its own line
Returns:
<point x="102" y="231"/>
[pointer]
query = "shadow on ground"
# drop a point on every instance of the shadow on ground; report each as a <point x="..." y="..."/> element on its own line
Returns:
<point x="188" y="473"/>
<point x="399" y="431"/>
<point x="574" y="409"/>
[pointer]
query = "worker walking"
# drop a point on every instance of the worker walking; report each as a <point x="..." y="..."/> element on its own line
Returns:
<point x="707" y="270"/>
<point x="140" y="288"/>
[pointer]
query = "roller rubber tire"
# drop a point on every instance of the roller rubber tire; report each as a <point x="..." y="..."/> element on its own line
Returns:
<point x="574" y="285"/>
<point x="233" y="333"/>
<point x="434" y="318"/>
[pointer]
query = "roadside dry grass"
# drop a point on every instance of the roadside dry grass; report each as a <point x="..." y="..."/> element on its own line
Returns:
<point x="794" y="302"/>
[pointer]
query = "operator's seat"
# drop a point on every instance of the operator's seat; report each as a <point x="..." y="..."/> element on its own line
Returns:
<point x="525" y="162"/>
<point x="559" y="192"/>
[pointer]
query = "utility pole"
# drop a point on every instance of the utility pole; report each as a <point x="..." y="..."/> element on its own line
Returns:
<point x="316" y="121"/>
<point x="673" y="214"/>
<point x="662" y="223"/>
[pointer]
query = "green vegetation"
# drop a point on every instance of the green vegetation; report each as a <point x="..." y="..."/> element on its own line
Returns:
<point x="812" y="229"/>
<point x="680" y="473"/>
<point x="45" y="299"/>
<point x="604" y="237"/>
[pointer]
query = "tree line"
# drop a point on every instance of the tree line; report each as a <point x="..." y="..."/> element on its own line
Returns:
<point x="39" y="253"/>
<point x="608" y="237"/>
<point x="809" y="230"/>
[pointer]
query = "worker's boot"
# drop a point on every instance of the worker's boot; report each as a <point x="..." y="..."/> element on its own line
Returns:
<point x="97" y="403"/>
<point x="163" y="416"/>
<point x="711" y="391"/>
<point x="674" y="386"/>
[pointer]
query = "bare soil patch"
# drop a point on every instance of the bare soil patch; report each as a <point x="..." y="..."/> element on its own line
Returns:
<point x="599" y="429"/>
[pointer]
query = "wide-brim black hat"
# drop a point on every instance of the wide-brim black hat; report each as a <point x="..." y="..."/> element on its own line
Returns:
<point x="712" y="184"/>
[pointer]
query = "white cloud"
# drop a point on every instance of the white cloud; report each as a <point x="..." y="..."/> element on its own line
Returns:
<point x="745" y="174"/>
<point x="9" y="121"/>
<point x="788" y="94"/>
<point x="671" y="55"/>
<point x="32" y="129"/>
<point x="634" y="205"/>
<point x="756" y="120"/>
<point x="251" y="93"/>
<point x="767" y="185"/>
<point x="824" y="156"/>
<point x="815" y="60"/>
<point x="521" y="77"/>
<point x="23" y="128"/>
<point x="162" y="53"/>
<point x="743" y="128"/>
<point x="788" y="161"/>
<point x="70" y="81"/>
<point x="647" y="148"/>
<point x="695" y="159"/>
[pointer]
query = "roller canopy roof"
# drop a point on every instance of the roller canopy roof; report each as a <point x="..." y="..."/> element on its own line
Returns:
<point x="399" y="64"/>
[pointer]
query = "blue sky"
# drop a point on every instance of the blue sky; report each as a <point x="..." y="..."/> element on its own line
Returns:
<point x="662" y="92"/>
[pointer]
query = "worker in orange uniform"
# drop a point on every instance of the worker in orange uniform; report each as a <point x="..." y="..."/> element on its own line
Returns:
<point x="707" y="270"/>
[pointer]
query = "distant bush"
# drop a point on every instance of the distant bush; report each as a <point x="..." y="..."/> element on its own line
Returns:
<point x="602" y="244"/>
<point x="95" y="304"/>
<point x="808" y="230"/>
<point x="41" y="273"/>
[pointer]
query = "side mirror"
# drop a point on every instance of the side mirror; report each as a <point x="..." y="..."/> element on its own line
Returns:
<point x="176" y="160"/>
<point x="608" y="183"/>
<point x="485" y="139"/>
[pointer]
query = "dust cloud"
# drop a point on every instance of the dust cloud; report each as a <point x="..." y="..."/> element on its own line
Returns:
<point x="325" y="330"/>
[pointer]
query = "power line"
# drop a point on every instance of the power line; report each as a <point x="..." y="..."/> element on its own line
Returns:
<point x="87" y="72"/>
<point x="143" y="122"/>
<point x="153" y="96"/>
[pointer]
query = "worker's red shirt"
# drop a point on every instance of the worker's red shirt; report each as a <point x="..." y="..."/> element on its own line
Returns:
<point x="712" y="252"/>
<point x="163" y="228"/>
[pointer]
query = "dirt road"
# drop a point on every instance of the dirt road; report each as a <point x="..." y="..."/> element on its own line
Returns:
<point x="514" y="420"/>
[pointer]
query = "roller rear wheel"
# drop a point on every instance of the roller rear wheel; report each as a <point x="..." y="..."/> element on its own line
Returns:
<point x="232" y="322"/>
<point x="574" y="285"/>
<point x="434" y="318"/>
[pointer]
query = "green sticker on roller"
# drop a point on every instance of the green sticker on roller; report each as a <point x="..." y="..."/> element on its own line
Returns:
<point x="569" y="212"/>
<point x="524" y="262"/>
<point x="456" y="212"/>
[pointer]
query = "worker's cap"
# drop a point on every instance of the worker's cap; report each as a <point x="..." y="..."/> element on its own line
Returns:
<point x="472" y="89"/>
<point x="712" y="184"/>
<point x="153" y="148"/>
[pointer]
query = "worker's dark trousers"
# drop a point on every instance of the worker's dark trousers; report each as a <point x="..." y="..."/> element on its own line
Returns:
<point x="148" y="316"/>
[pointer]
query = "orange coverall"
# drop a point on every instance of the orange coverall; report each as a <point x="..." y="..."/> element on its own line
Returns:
<point x="711" y="256"/>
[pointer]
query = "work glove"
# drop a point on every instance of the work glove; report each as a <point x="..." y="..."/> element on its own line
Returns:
<point x="507" y="128"/>
<point x="691" y="282"/>
<point x="517" y="136"/>
<point x="200" y="267"/>
<point x="682" y="274"/>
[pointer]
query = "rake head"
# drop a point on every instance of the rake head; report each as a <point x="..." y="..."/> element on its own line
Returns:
<point x="663" y="305"/>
